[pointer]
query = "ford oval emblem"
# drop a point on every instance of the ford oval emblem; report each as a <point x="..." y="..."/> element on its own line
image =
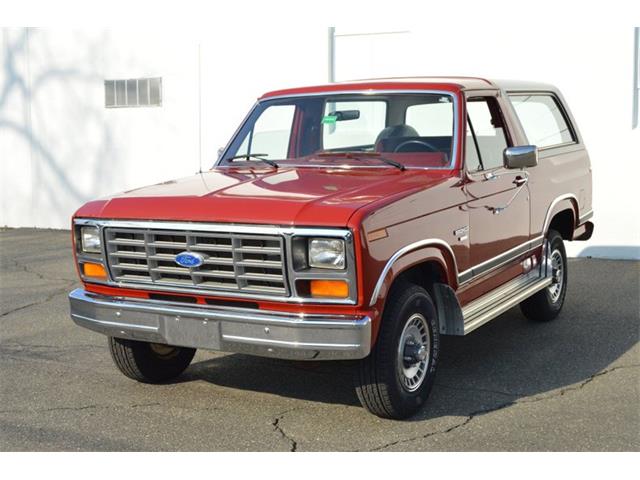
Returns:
<point x="189" y="259"/>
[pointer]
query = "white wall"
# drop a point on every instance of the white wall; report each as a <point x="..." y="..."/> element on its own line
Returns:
<point x="592" y="67"/>
<point x="60" y="147"/>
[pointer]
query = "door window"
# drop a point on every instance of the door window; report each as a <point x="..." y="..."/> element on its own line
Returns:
<point x="486" y="138"/>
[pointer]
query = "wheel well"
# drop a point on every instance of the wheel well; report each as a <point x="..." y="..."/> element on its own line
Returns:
<point x="424" y="275"/>
<point x="563" y="223"/>
<point x="431" y="276"/>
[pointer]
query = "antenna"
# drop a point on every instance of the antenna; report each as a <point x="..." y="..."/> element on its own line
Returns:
<point x="199" y="109"/>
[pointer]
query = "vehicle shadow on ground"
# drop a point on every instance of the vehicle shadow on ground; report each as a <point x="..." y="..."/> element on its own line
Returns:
<point x="497" y="365"/>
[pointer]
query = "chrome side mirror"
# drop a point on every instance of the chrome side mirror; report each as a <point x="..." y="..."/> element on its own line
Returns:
<point x="520" y="157"/>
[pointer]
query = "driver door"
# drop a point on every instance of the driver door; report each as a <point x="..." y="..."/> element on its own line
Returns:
<point x="497" y="198"/>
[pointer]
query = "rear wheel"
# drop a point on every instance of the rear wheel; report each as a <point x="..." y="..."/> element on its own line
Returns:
<point x="546" y="304"/>
<point x="394" y="381"/>
<point x="149" y="362"/>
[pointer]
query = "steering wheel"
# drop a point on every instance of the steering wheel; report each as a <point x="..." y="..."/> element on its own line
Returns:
<point x="400" y="147"/>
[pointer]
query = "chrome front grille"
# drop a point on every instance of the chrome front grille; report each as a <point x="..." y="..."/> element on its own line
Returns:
<point x="240" y="263"/>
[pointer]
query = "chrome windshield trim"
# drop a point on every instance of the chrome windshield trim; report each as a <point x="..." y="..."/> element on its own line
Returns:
<point x="452" y="94"/>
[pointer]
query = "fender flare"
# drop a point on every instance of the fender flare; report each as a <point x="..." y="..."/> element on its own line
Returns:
<point x="432" y="249"/>
<point x="568" y="201"/>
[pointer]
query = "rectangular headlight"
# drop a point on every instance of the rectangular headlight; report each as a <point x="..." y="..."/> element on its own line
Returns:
<point x="90" y="240"/>
<point x="327" y="253"/>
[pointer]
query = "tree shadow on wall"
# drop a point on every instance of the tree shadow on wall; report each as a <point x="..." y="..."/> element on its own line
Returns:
<point x="54" y="107"/>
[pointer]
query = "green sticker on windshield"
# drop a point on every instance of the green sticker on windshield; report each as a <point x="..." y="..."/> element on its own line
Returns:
<point x="329" y="119"/>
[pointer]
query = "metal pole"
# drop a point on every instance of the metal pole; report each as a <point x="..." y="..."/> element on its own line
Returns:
<point x="199" y="109"/>
<point x="636" y="73"/>
<point x="332" y="54"/>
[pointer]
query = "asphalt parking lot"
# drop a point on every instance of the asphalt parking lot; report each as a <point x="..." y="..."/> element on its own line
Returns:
<point x="573" y="384"/>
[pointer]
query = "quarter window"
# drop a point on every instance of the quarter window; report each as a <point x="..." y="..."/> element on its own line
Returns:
<point x="543" y="120"/>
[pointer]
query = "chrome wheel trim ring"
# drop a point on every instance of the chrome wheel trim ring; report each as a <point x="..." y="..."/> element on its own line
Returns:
<point x="415" y="335"/>
<point x="557" y="271"/>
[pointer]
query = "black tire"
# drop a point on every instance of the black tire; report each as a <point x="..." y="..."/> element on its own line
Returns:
<point x="379" y="380"/>
<point x="546" y="305"/>
<point x="149" y="362"/>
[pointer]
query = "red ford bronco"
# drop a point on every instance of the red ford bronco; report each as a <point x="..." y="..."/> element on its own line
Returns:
<point x="347" y="221"/>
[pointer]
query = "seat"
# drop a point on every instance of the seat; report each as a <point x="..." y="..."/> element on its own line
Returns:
<point x="395" y="131"/>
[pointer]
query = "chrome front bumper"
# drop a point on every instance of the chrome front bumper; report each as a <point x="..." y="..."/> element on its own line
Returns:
<point x="255" y="332"/>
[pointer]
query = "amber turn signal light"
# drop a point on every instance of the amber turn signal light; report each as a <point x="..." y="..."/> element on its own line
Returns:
<point x="95" y="270"/>
<point x="329" y="288"/>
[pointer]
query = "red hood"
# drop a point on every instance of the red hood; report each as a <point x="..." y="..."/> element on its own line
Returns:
<point x="288" y="196"/>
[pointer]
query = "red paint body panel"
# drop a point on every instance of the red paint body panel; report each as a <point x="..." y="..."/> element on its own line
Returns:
<point x="288" y="196"/>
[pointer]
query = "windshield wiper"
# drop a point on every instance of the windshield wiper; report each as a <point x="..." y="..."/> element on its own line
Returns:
<point x="257" y="156"/>
<point x="359" y="155"/>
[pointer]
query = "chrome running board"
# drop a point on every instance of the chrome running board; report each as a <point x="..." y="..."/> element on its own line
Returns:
<point x="498" y="301"/>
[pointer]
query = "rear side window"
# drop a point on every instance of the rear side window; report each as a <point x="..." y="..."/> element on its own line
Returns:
<point x="543" y="120"/>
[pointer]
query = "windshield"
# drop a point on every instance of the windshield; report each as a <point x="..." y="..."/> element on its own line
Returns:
<point x="414" y="130"/>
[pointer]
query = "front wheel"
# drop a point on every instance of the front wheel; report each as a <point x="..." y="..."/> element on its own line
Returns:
<point x="394" y="381"/>
<point x="546" y="304"/>
<point x="149" y="362"/>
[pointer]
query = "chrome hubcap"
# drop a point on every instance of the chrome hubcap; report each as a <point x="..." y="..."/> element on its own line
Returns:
<point x="413" y="352"/>
<point x="557" y="275"/>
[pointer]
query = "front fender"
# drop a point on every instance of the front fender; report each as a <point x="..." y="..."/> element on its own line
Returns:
<point x="436" y="251"/>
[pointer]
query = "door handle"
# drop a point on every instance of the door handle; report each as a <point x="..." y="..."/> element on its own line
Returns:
<point x="520" y="181"/>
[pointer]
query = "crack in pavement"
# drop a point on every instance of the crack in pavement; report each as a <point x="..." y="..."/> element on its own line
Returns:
<point x="53" y="353"/>
<point x="476" y="413"/>
<point x="41" y="276"/>
<point x="79" y="408"/>
<point x="475" y="389"/>
<point x="38" y="302"/>
<point x="580" y="386"/>
<point x="278" y="428"/>
<point x="468" y="419"/>
<point x="538" y="397"/>
<point x="67" y="284"/>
